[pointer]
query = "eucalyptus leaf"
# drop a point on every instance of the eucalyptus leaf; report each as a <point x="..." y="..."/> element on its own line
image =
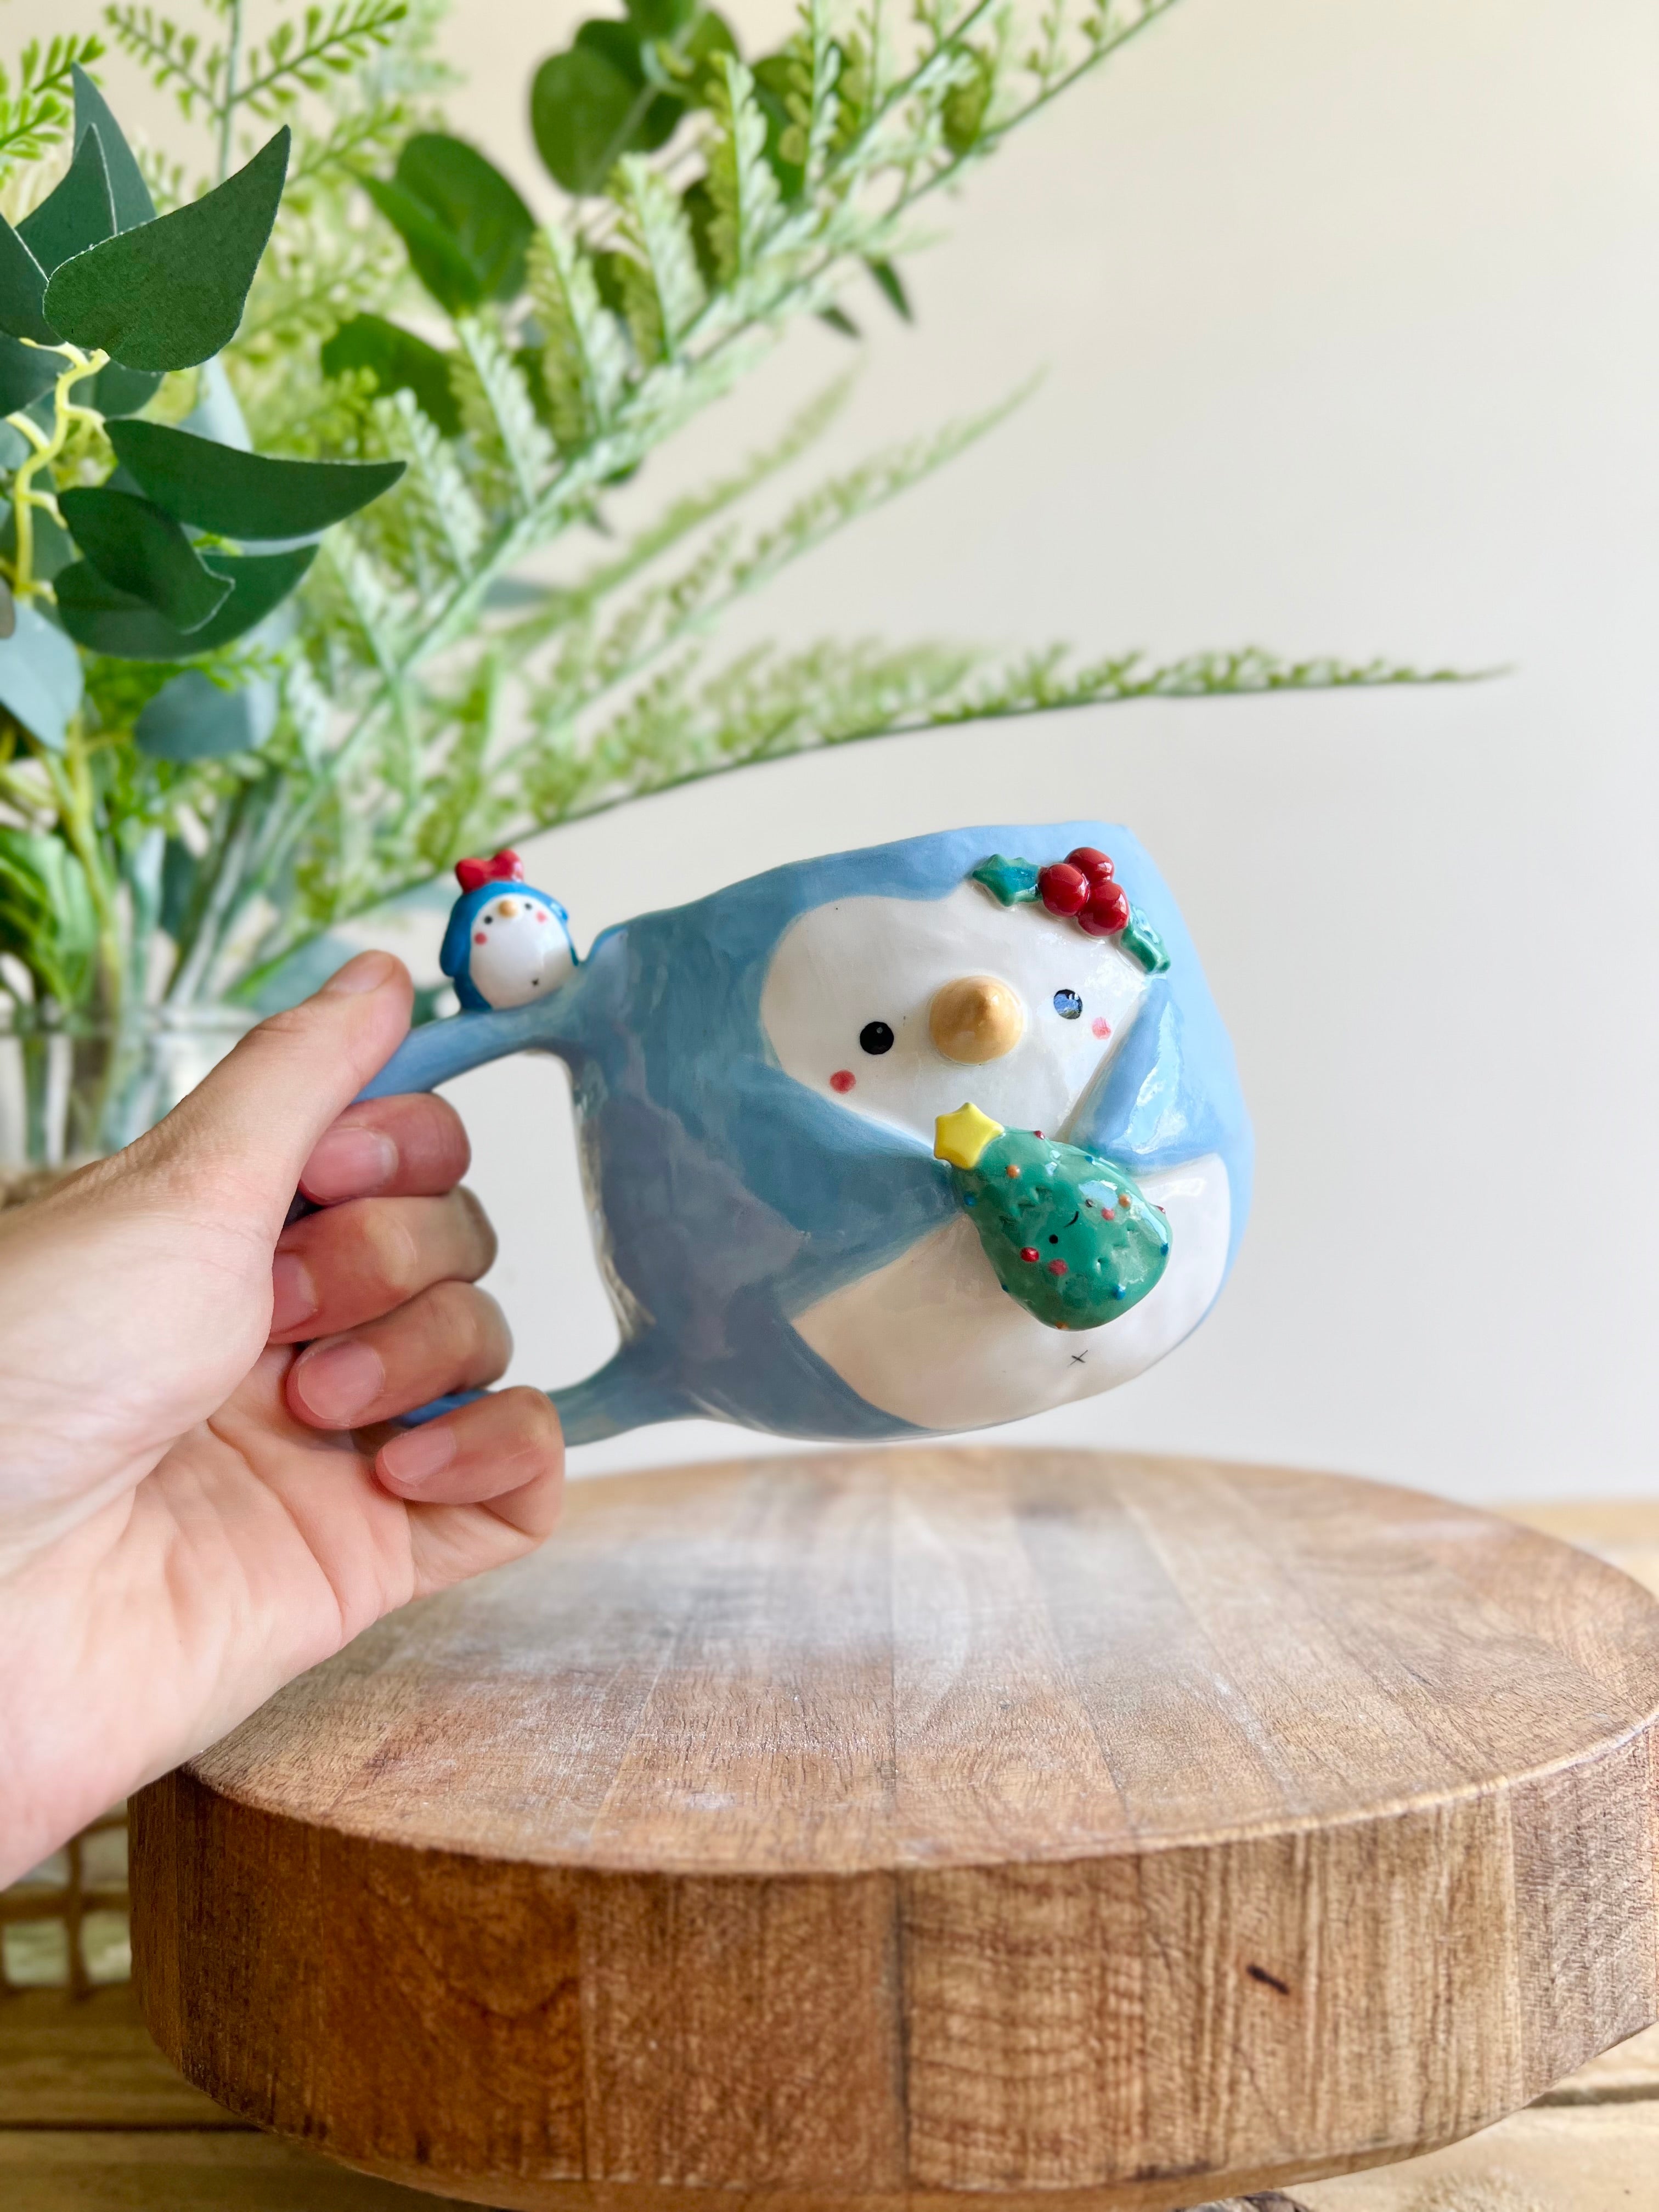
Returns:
<point x="170" y="294"/>
<point x="117" y="391"/>
<point x="583" y="113"/>
<point x="434" y="253"/>
<point x="78" y="212"/>
<point x="241" y="494"/>
<point x="660" y="18"/>
<point x="398" y="362"/>
<point x="139" y="548"/>
<point x="40" y="677"/>
<point x="25" y="372"/>
<point x="22" y="290"/>
<point x="192" y="718"/>
<point x="616" y="43"/>
<point x="105" y="620"/>
<point x="466" y="227"/>
<point x="53" y="549"/>
<point x="129" y="194"/>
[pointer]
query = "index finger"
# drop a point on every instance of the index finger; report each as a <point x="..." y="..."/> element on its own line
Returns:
<point x="412" y="1146"/>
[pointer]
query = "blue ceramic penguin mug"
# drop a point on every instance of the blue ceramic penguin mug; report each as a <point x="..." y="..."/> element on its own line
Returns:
<point x="902" y="1142"/>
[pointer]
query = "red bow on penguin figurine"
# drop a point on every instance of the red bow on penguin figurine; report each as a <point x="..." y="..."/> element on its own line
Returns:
<point x="505" y="868"/>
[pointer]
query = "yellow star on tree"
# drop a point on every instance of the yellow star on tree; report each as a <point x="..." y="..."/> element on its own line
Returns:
<point x="961" y="1137"/>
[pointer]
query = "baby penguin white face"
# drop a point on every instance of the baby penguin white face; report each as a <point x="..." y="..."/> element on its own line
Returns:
<point x="900" y="1008"/>
<point x="521" y="949"/>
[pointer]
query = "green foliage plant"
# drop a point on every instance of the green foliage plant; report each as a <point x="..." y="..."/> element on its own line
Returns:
<point x="273" y="705"/>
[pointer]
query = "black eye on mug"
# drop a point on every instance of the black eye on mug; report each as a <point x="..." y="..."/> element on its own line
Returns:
<point x="876" y="1038"/>
<point x="1067" y="1005"/>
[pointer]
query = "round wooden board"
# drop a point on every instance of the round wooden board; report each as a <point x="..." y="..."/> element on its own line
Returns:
<point x="1057" y="1828"/>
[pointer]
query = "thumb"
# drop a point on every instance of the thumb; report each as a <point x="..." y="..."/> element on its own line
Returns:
<point x="249" y="1126"/>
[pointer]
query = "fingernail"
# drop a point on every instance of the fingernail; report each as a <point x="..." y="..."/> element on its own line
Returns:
<point x="293" y="1294"/>
<point x="350" y="1162"/>
<point x="366" y="973"/>
<point x="340" y="1382"/>
<point x="416" y="1456"/>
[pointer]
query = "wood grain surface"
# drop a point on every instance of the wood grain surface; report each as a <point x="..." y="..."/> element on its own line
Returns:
<point x="1049" y="1828"/>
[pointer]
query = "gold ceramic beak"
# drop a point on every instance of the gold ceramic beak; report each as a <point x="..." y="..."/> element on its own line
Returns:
<point x="506" y="908"/>
<point x="975" y="1018"/>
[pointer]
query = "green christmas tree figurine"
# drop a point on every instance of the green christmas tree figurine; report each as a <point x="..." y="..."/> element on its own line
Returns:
<point x="1068" y="1232"/>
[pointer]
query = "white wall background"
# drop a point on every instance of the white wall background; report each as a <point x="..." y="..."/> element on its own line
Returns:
<point x="1352" y="324"/>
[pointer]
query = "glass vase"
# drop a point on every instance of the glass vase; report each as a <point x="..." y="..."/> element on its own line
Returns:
<point x="73" y="1089"/>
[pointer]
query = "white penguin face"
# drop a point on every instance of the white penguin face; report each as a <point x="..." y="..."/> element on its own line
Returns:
<point x="848" y="1007"/>
<point x="521" y="949"/>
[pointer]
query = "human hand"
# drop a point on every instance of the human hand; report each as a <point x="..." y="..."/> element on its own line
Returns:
<point x="194" y="1508"/>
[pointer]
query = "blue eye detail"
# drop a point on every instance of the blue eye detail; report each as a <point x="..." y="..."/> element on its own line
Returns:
<point x="1067" y="1005"/>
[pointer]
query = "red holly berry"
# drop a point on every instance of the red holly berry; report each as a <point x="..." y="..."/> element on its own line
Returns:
<point x="1093" y="861"/>
<point x="1062" y="888"/>
<point x="1108" y="910"/>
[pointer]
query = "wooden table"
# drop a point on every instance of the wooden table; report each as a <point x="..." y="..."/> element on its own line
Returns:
<point x="995" y="1970"/>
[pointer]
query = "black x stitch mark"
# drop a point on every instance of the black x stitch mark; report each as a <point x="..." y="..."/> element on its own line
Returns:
<point x="1078" y="1359"/>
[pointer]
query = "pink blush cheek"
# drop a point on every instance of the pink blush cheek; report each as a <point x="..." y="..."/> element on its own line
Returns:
<point x="1101" y="1026"/>
<point x="842" y="1080"/>
<point x="479" y="938"/>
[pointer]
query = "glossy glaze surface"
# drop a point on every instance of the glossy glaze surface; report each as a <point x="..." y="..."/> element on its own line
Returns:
<point x="758" y="1086"/>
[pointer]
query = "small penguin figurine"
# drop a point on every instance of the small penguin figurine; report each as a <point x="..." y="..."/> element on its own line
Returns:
<point x="506" y="943"/>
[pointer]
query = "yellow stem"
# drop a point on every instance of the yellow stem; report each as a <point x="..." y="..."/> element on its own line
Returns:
<point x="24" y="498"/>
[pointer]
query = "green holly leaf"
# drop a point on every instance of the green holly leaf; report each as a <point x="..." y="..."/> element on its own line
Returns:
<point x="78" y="212"/>
<point x="590" y="106"/>
<point x="170" y="294"/>
<point x="192" y="718"/>
<point x="129" y="194"/>
<point x="139" y="550"/>
<point x="22" y="290"/>
<point x="1011" y="883"/>
<point x="26" y="373"/>
<point x="466" y="227"/>
<point x="107" y="620"/>
<point x="247" y="496"/>
<point x="40" y="677"/>
<point x="398" y="362"/>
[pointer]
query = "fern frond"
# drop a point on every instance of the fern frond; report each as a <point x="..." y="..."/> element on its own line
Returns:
<point x="584" y="360"/>
<point x="35" y="112"/>
<point x="437" y="484"/>
<point x="741" y="183"/>
<point x="661" y="285"/>
<point x="684" y="515"/>
<point x="329" y="43"/>
<point x="500" y="415"/>
<point x="173" y="60"/>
